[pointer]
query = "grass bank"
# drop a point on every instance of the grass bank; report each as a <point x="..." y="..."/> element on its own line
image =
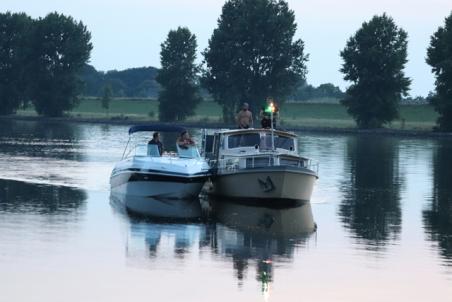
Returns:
<point x="325" y="115"/>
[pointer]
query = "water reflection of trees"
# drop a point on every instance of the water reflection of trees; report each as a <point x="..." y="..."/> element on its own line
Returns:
<point x="438" y="216"/>
<point x="371" y="205"/>
<point x="40" y="139"/>
<point x="20" y="197"/>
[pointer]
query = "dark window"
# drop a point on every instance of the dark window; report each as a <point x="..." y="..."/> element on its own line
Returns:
<point x="208" y="148"/>
<point x="281" y="142"/>
<point x="290" y="162"/>
<point x="284" y="143"/>
<point x="243" y="140"/>
<point x="257" y="162"/>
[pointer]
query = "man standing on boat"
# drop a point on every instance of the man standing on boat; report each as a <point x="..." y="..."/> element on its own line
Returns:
<point x="244" y="118"/>
<point x="156" y="141"/>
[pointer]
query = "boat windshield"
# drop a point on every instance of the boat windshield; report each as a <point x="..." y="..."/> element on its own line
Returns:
<point x="281" y="142"/>
<point x="189" y="152"/>
<point x="284" y="142"/>
<point x="243" y="140"/>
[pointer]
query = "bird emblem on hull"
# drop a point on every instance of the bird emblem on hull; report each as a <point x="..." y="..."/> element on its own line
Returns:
<point x="267" y="184"/>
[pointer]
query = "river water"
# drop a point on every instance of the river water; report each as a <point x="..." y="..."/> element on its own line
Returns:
<point x="382" y="206"/>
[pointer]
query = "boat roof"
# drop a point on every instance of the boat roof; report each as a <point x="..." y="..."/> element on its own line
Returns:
<point x="255" y="130"/>
<point x="156" y="127"/>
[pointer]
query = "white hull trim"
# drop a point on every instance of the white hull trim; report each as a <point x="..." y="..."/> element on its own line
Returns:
<point x="157" y="185"/>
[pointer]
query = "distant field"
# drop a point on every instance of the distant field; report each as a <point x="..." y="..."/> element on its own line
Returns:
<point x="335" y="115"/>
<point x="420" y="117"/>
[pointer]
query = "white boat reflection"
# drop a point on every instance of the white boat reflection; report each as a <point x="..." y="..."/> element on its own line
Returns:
<point x="264" y="236"/>
<point x="273" y="222"/>
<point x="167" y="229"/>
<point x="152" y="243"/>
<point x="242" y="235"/>
<point x="157" y="208"/>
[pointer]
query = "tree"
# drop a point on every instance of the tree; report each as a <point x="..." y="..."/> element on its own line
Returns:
<point x="305" y="91"/>
<point x="61" y="49"/>
<point x="328" y="90"/>
<point x="251" y="54"/>
<point x="93" y="81"/>
<point x="106" y="98"/>
<point x="374" y="59"/>
<point x="14" y="60"/>
<point x="439" y="56"/>
<point x="179" y="95"/>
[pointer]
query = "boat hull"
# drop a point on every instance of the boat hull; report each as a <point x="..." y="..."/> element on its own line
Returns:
<point x="272" y="183"/>
<point x="157" y="185"/>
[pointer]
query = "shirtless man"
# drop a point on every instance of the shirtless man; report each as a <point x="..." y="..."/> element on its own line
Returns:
<point x="244" y="118"/>
<point x="184" y="140"/>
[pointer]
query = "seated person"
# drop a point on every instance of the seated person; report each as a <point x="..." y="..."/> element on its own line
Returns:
<point x="156" y="141"/>
<point x="184" y="141"/>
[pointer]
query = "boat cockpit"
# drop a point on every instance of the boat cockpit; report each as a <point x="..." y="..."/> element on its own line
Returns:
<point x="152" y="150"/>
<point x="254" y="148"/>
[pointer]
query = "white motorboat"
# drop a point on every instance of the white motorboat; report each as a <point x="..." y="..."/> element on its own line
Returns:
<point x="144" y="172"/>
<point x="259" y="164"/>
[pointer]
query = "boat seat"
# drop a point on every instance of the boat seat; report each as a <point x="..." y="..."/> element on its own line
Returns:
<point x="153" y="150"/>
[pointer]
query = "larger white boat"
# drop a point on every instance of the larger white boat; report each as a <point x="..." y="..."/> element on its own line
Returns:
<point x="259" y="164"/>
<point x="144" y="172"/>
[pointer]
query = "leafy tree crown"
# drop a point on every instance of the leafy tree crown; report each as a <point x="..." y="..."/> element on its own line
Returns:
<point x="374" y="59"/>
<point x="252" y="54"/>
<point x="439" y="57"/>
<point x="178" y="76"/>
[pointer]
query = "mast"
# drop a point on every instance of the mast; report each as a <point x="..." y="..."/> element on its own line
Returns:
<point x="272" y="130"/>
<point x="272" y="109"/>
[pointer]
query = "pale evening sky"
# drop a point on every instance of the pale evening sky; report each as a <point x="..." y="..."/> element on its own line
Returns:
<point x="128" y="33"/>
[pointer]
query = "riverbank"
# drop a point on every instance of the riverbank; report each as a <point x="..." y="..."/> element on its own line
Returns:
<point x="293" y="115"/>
<point x="205" y="124"/>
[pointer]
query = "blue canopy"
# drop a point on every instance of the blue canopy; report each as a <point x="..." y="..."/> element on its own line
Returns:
<point x="156" y="127"/>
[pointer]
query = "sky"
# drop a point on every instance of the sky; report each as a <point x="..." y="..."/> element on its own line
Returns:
<point x="128" y="34"/>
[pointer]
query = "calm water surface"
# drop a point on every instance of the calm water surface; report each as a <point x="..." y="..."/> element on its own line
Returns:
<point x="383" y="207"/>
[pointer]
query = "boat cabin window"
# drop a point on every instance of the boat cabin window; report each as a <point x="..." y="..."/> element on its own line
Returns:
<point x="243" y="140"/>
<point x="285" y="143"/>
<point x="281" y="142"/>
<point x="266" y="142"/>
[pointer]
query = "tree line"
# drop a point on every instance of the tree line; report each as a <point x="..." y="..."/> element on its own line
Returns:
<point x="40" y="60"/>
<point x="305" y="91"/>
<point x="252" y="54"/>
<point x="132" y="82"/>
<point x="141" y="83"/>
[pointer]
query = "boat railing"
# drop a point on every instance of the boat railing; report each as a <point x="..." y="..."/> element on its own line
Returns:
<point x="234" y="163"/>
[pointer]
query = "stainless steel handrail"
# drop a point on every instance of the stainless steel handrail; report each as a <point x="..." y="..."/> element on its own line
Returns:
<point x="232" y="162"/>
